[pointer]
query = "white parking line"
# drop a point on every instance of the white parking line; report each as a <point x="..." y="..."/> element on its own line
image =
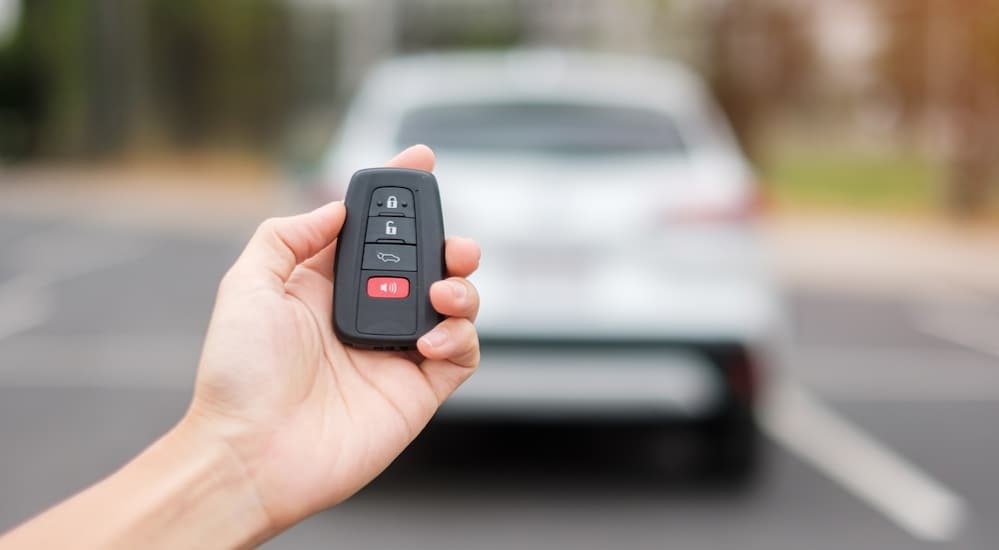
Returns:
<point x="927" y="373"/>
<point x="24" y="299"/>
<point x="870" y="471"/>
<point x="975" y="329"/>
<point x="21" y="306"/>
<point x="20" y="310"/>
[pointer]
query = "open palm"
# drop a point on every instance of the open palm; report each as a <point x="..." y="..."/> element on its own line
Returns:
<point x="313" y="421"/>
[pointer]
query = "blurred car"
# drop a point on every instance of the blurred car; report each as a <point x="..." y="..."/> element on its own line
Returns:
<point x="622" y="279"/>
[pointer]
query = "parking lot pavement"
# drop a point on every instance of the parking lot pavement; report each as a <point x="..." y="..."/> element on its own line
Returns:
<point x="100" y="331"/>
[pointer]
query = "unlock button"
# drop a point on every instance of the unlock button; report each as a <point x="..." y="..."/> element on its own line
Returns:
<point x="383" y="229"/>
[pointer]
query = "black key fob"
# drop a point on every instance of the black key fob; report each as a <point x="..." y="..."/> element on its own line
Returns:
<point x="390" y="250"/>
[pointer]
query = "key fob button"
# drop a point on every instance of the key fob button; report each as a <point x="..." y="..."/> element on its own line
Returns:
<point x="386" y="304"/>
<point x="392" y="201"/>
<point x="384" y="229"/>
<point x="388" y="287"/>
<point x="391" y="257"/>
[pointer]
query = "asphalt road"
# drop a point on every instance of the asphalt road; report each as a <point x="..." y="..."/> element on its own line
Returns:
<point x="100" y="329"/>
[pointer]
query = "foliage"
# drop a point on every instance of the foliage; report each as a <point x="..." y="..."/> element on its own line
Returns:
<point x="941" y="63"/>
<point x="827" y="177"/>
<point x="44" y="77"/>
<point x="91" y="77"/>
<point x="222" y="67"/>
<point x="761" y="56"/>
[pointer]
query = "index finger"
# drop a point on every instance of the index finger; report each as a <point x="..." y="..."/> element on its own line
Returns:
<point x="417" y="157"/>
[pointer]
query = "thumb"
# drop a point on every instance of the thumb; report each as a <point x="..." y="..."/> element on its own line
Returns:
<point x="280" y="244"/>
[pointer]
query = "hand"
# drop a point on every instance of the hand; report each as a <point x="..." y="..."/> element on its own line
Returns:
<point x="285" y="420"/>
<point x="309" y="420"/>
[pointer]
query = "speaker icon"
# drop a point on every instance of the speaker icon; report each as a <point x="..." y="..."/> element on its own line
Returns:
<point x="388" y="287"/>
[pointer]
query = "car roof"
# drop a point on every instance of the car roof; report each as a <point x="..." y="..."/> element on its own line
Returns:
<point x="433" y="78"/>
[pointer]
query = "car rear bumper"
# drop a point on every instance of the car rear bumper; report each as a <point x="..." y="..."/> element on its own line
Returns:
<point x="586" y="380"/>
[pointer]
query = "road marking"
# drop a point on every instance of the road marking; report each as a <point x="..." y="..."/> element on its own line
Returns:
<point x="975" y="329"/>
<point x="931" y="373"/>
<point x="102" y="360"/>
<point x="20" y="310"/>
<point x="870" y="471"/>
<point x="21" y="306"/>
<point x="25" y="302"/>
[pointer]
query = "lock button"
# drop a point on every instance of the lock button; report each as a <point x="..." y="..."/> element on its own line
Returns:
<point x="392" y="201"/>
<point x="385" y="229"/>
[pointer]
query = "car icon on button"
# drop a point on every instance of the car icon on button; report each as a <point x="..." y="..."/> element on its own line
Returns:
<point x="387" y="258"/>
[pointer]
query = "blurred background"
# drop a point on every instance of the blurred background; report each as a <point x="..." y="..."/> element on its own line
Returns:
<point x="141" y="142"/>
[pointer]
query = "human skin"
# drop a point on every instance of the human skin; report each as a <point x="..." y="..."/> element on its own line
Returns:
<point x="285" y="421"/>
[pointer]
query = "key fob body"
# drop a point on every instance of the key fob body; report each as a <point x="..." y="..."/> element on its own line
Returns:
<point x="389" y="252"/>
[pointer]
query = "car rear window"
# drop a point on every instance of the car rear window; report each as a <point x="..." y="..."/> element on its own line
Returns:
<point x="546" y="128"/>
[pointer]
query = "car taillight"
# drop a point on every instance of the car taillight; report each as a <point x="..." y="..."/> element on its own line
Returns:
<point x="742" y="372"/>
<point x="743" y="210"/>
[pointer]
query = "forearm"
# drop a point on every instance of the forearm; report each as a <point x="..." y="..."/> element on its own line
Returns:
<point x="184" y="491"/>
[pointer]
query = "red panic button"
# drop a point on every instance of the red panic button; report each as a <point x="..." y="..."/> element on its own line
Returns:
<point x="388" y="287"/>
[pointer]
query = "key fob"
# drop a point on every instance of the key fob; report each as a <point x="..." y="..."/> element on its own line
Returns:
<point x="390" y="250"/>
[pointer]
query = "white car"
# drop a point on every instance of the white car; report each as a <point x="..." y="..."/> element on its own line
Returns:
<point x="621" y="276"/>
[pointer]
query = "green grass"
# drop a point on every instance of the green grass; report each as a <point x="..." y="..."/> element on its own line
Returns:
<point x="852" y="180"/>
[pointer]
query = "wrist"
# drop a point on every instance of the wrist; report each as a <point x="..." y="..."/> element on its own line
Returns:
<point x="203" y="488"/>
<point x="186" y="490"/>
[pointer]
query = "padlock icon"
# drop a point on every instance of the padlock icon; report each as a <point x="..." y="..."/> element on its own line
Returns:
<point x="392" y="202"/>
<point x="390" y="228"/>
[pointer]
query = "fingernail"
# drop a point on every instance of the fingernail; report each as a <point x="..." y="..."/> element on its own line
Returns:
<point x="458" y="290"/>
<point x="435" y="338"/>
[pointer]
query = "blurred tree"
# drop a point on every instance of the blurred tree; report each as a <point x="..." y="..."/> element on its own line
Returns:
<point x="974" y="106"/>
<point x="760" y="59"/>
<point x="94" y="77"/>
<point x="222" y="69"/>
<point x="457" y="24"/>
<point x="20" y="100"/>
<point x="904" y="61"/>
<point x="45" y="77"/>
<point x="942" y="62"/>
<point x="116" y="58"/>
